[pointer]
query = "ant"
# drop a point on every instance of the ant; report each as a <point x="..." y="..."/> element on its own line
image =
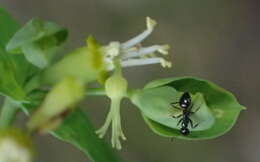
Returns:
<point x="186" y="105"/>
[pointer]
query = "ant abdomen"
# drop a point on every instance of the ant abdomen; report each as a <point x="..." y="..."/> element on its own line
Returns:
<point x="184" y="131"/>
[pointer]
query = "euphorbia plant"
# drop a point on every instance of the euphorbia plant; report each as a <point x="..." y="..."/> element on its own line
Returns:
<point x="49" y="89"/>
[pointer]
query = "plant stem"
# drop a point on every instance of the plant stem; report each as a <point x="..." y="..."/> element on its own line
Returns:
<point x="102" y="92"/>
<point x="7" y="114"/>
<point x="96" y="92"/>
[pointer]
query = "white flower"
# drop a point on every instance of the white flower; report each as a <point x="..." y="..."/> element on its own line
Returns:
<point x="12" y="152"/>
<point x="15" y="146"/>
<point x="116" y="56"/>
<point x="131" y="52"/>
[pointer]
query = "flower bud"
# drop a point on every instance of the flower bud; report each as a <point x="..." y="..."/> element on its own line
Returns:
<point x="58" y="102"/>
<point x="85" y="63"/>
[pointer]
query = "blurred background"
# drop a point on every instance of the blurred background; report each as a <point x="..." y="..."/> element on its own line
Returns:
<point x="216" y="40"/>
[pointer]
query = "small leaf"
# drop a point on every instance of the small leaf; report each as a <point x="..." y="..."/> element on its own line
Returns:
<point x="217" y="113"/>
<point x="14" y="69"/>
<point x="155" y="103"/>
<point x="8" y="84"/>
<point x="38" y="40"/>
<point x="77" y="130"/>
<point x="8" y="26"/>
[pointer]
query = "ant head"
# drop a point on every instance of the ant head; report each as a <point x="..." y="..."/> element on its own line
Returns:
<point x="184" y="131"/>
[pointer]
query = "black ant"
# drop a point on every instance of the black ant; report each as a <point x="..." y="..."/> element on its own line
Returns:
<point x="186" y="105"/>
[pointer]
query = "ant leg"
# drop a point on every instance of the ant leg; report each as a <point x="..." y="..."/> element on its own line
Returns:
<point x="191" y="123"/>
<point x="190" y="108"/>
<point x="179" y="121"/>
<point x="176" y="107"/>
<point x="192" y="112"/>
<point x="176" y="117"/>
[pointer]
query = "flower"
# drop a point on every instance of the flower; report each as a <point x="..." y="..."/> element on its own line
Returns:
<point x="116" y="89"/>
<point x="15" y="146"/>
<point x="116" y="56"/>
<point x="91" y="62"/>
<point x="131" y="52"/>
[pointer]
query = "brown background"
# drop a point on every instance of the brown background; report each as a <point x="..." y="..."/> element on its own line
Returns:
<point x="216" y="40"/>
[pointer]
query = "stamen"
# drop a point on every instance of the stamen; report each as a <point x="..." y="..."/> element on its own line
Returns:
<point x="129" y="50"/>
<point x="139" y="38"/>
<point x="147" y="50"/>
<point x="140" y="62"/>
<point x="146" y="61"/>
<point x="150" y="23"/>
<point x="131" y="53"/>
<point x="165" y="64"/>
<point x="164" y="49"/>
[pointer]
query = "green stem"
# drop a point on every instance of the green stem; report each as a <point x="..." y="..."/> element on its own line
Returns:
<point x="131" y="92"/>
<point x="96" y="92"/>
<point x="102" y="92"/>
<point x="7" y="114"/>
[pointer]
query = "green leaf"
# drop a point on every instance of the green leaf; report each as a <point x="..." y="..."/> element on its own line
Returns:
<point x="9" y="84"/>
<point x="77" y="129"/>
<point x="217" y="112"/>
<point x="38" y="40"/>
<point x="21" y="67"/>
<point x="155" y="103"/>
<point x="8" y="26"/>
